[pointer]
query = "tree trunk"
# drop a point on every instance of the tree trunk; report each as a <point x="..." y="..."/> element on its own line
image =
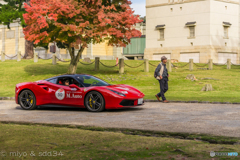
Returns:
<point x="28" y="49"/>
<point x="72" y="69"/>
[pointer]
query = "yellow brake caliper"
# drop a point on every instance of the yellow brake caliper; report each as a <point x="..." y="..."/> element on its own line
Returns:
<point x="90" y="102"/>
<point x="31" y="99"/>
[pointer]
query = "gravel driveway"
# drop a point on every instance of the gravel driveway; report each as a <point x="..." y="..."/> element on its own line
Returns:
<point x="216" y="119"/>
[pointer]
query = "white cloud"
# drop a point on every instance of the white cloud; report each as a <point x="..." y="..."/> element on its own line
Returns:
<point x="139" y="8"/>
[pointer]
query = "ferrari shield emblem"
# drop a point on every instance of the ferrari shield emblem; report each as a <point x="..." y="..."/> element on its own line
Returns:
<point x="60" y="94"/>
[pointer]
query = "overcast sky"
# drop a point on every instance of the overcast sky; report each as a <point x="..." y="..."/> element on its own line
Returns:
<point x="139" y="7"/>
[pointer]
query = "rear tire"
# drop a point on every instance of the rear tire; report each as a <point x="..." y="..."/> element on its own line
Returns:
<point x="94" y="102"/>
<point x="27" y="100"/>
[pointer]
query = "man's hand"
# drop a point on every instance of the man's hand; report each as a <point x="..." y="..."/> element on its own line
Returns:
<point x="160" y="77"/>
<point x="168" y="76"/>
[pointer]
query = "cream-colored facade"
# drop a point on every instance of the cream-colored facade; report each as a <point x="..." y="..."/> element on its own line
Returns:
<point x="193" y="29"/>
<point x="12" y="40"/>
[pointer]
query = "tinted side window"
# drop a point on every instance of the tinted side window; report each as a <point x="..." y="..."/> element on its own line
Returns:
<point x="73" y="81"/>
<point x="54" y="80"/>
<point x="91" y="81"/>
<point x="66" y="81"/>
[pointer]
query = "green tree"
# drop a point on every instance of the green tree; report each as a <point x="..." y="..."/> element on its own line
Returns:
<point x="11" y="12"/>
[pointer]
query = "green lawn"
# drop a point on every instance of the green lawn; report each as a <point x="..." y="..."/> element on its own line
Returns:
<point x="49" y="142"/>
<point x="227" y="89"/>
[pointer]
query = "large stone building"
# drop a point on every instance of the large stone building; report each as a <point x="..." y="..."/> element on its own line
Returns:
<point x="193" y="29"/>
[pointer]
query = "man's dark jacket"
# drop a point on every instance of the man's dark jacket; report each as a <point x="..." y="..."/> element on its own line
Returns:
<point x="165" y="71"/>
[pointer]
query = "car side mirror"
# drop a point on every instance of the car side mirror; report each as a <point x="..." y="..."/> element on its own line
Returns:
<point x="74" y="86"/>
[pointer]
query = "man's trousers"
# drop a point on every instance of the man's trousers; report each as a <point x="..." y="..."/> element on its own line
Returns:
<point x="163" y="88"/>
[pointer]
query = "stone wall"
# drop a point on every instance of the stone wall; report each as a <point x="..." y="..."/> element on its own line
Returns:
<point x="205" y="53"/>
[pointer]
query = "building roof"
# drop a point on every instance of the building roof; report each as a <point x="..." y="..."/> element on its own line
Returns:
<point x="142" y="36"/>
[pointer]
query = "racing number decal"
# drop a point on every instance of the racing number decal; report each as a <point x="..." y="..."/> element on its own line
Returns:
<point x="60" y="94"/>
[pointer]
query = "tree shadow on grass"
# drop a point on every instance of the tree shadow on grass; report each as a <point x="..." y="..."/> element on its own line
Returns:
<point x="59" y="69"/>
<point x="43" y="69"/>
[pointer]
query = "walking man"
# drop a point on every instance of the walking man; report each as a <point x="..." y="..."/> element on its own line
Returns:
<point x="161" y="74"/>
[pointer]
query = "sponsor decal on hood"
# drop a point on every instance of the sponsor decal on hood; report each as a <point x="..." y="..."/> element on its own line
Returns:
<point x="125" y="92"/>
<point x="123" y="88"/>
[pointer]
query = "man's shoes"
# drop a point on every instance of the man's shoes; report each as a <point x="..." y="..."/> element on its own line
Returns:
<point x="158" y="98"/>
<point x="165" y="101"/>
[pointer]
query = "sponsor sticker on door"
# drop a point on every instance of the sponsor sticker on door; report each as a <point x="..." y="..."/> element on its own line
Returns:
<point x="69" y="95"/>
<point x="60" y="94"/>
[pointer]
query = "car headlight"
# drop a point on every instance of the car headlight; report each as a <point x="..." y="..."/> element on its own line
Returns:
<point x="118" y="93"/>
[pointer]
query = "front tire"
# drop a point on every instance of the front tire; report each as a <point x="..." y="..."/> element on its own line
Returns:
<point x="27" y="100"/>
<point x="94" y="102"/>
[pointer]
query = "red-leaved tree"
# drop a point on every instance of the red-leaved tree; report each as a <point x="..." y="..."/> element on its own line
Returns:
<point x="73" y="24"/>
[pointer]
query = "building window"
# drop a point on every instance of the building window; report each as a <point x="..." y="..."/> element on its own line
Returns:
<point x="226" y="26"/>
<point x="225" y="32"/>
<point x="191" y="26"/>
<point x="161" y="29"/>
<point x="161" y="34"/>
<point x="192" y="31"/>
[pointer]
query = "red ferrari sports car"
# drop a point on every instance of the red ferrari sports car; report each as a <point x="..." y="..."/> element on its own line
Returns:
<point x="78" y="90"/>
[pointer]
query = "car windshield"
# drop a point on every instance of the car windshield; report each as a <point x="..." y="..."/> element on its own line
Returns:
<point x="89" y="81"/>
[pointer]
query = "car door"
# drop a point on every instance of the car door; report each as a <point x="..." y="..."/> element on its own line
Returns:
<point x="52" y="88"/>
<point x="57" y="93"/>
<point x="64" y="95"/>
<point x="74" y="96"/>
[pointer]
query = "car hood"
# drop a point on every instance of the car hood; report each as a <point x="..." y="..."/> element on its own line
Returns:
<point x="126" y="89"/>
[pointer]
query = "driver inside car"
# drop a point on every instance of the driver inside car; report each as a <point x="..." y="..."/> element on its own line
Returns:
<point x="66" y="83"/>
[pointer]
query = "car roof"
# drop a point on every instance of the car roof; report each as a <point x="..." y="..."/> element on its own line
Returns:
<point x="68" y="75"/>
